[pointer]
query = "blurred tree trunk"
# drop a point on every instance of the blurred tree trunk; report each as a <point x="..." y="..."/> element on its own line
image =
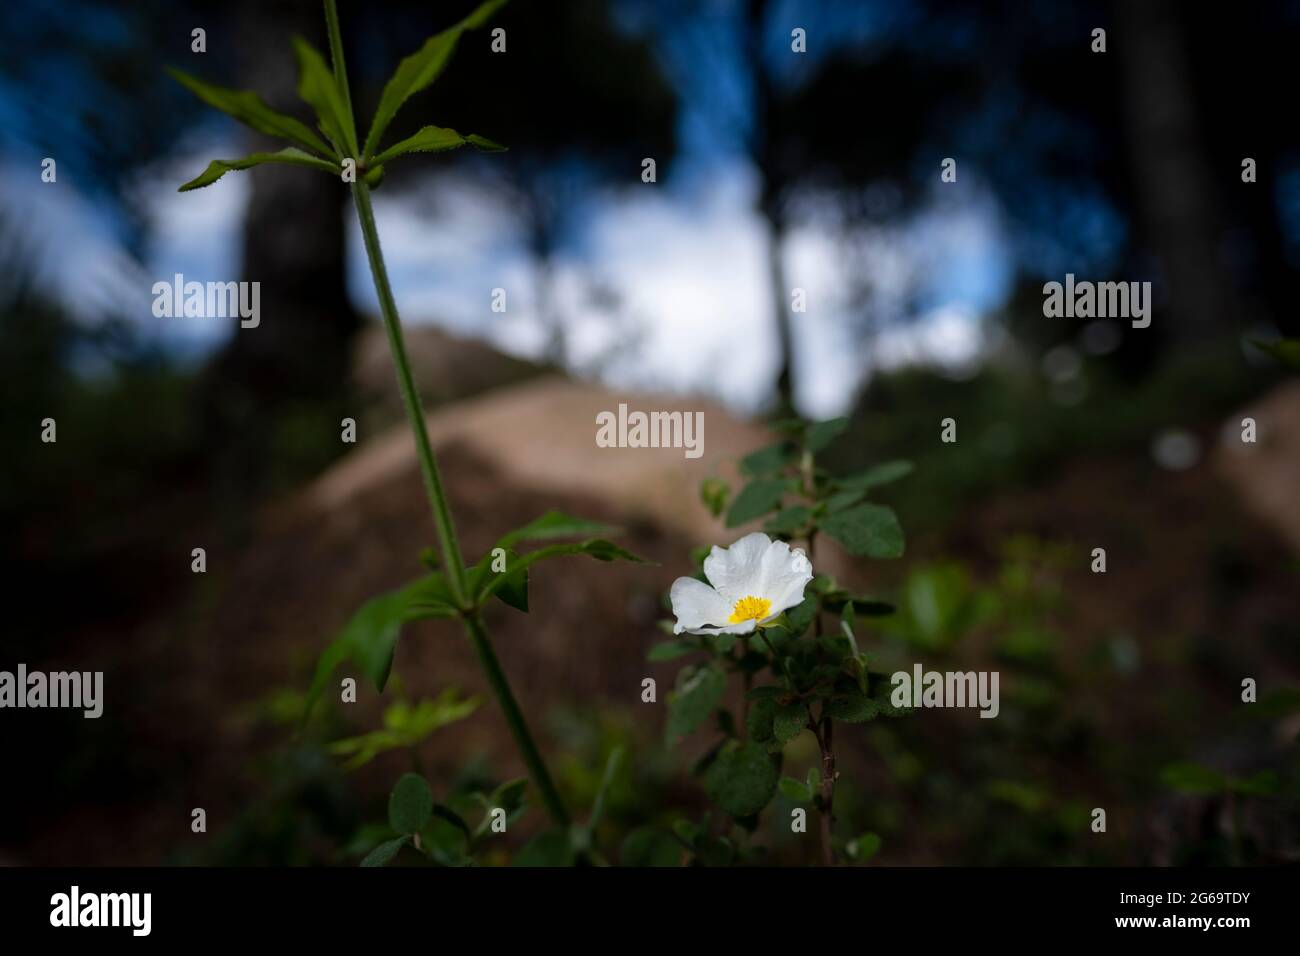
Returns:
<point x="290" y="373"/>
<point x="770" y="203"/>
<point x="1172" y="174"/>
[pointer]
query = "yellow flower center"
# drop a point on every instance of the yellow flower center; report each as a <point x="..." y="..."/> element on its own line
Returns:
<point x="750" y="609"/>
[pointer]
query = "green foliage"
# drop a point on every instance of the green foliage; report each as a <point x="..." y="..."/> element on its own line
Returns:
<point x="1286" y="351"/>
<point x="798" y="676"/>
<point x="742" y="780"/>
<point x="699" y="692"/>
<point x="325" y="91"/>
<point x="410" y="805"/>
<point x="405" y="726"/>
<point x="419" y="70"/>
<point x="290" y="154"/>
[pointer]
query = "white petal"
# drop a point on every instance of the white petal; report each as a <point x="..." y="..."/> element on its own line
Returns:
<point x="695" y="604"/>
<point x="737" y="571"/>
<point x="786" y="572"/>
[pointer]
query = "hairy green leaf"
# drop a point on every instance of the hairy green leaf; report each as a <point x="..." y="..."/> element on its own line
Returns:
<point x="382" y="854"/>
<point x="555" y="524"/>
<point x="248" y="108"/>
<point x="756" y="499"/>
<point x="290" y="154"/>
<point x="318" y="89"/>
<point x="410" y="805"/>
<point x="698" y="693"/>
<point x="420" y="69"/>
<point x="436" y="139"/>
<point x="867" y="529"/>
<point x="742" y="780"/>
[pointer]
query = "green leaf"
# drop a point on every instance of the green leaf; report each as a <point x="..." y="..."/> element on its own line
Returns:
<point x="863" y="848"/>
<point x="1263" y="784"/>
<point x="881" y="474"/>
<point x="650" y="846"/>
<point x="767" y="461"/>
<point x="742" y="780"/>
<point x="597" y="548"/>
<point x="763" y="693"/>
<point x="410" y="805"/>
<point x="381" y="854"/>
<point x="756" y="499"/>
<point x="668" y="650"/>
<point x="789" y="520"/>
<point x="549" y="848"/>
<point x="405" y="726"/>
<point x="370" y="637"/>
<point x="698" y="693"/>
<point x="821" y="434"/>
<point x="758" y="723"/>
<point x="855" y="707"/>
<point x="290" y="154"/>
<point x="1189" y="777"/>
<point x="1286" y="351"/>
<point x="868" y="530"/>
<point x="715" y="492"/>
<point x="319" y="90"/>
<point x="796" y="790"/>
<point x="555" y="524"/>
<point x="611" y="768"/>
<point x="420" y="69"/>
<point x="435" y="139"/>
<point x="788" y="722"/>
<point x="248" y="108"/>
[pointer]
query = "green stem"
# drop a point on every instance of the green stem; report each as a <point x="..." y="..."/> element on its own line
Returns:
<point x="340" y="68"/>
<point x="515" y="718"/>
<point x="451" y="554"/>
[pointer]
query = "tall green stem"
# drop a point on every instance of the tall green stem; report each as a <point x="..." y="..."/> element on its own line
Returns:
<point x="451" y="554"/>
<point x="515" y="718"/>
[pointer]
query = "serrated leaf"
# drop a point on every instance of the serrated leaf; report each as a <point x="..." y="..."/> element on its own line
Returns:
<point x="248" y="108"/>
<point x="742" y="780"/>
<point x="319" y="90"/>
<point x="410" y="805"/>
<point x="756" y="499"/>
<point x="697" y="696"/>
<point x="382" y="854"/>
<point x="436" y="139"/>
<point x="290" y="154"/>
<point x="868" y="530"/>
<point x="418" y="71"/>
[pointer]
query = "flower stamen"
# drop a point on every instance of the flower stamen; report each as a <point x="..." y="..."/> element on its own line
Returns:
<point x="750" y="608"/>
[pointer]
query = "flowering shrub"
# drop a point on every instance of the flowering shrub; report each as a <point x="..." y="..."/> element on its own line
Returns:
<point x="758" y="611"/>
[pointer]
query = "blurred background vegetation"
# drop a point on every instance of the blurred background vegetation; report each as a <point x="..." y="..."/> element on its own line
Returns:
<point x="775" y="170"/>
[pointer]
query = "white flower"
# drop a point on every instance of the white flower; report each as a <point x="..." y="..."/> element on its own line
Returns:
<point x="753" y="581"/>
